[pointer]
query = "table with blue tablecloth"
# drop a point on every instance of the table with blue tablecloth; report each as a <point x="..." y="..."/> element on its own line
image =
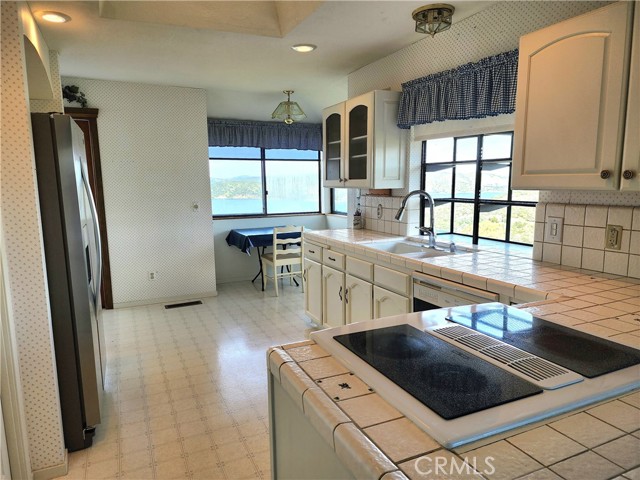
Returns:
<point x="247" y="238"/>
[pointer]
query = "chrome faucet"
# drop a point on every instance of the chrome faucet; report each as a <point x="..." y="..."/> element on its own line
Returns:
<point x="430" y="230"/>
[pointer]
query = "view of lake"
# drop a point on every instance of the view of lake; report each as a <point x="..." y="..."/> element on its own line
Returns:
<point x="243" y="206"/>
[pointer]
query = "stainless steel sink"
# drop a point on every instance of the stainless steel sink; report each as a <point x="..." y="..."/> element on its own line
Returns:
<point x="408" y="248"/>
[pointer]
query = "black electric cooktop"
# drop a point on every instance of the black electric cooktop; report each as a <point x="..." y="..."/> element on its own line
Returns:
<point x="445" y="378"/>
<point x="586" y="354"/>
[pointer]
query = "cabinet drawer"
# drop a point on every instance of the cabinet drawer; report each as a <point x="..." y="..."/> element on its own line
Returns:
<point x="360" y="269"/>
<point x="313" y="251"/>
<point x="392" y="280"/>
<point x="333" y="259"/>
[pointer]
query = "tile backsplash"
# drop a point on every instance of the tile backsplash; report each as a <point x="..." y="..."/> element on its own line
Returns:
<point x="583" y="237"/>
<point x="385" y="222"/>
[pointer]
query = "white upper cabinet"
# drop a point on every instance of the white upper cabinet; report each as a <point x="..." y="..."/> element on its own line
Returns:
<point x="363" y="147"/>
<point x="571" y="102"/>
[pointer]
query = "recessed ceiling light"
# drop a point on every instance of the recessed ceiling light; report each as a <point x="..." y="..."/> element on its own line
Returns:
<point x="304" y="47"/>
<point x="55" y="17"/>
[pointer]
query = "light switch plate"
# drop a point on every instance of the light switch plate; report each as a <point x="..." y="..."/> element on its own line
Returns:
<point x="553" y="230"/>
<point x="613" y="237"/>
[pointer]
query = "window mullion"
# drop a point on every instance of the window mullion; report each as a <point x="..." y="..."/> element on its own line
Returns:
<point x="476" y="196"/>
<point x="423" y="182"/>
<point x="264" y="181"/>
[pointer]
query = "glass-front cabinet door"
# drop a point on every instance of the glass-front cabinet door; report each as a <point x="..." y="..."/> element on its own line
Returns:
<point x="358" y="151"/>
<point x="333" y="119"/>
<point x="363" y="146"/>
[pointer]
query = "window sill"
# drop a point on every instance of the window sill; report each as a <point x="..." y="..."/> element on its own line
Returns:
<point x="271" y="215"/>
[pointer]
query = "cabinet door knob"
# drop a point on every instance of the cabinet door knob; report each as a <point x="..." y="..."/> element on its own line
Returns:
<point x="340" y="293"/>
<point x="628" y="174"/>
<point x="605" y="174"/>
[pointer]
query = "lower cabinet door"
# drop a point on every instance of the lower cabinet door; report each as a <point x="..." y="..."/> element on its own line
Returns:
<point x="313" y="290"/>
<point x="386" y="303"/>
<point x="358" y="300"/>
<point x="332" y="297"/>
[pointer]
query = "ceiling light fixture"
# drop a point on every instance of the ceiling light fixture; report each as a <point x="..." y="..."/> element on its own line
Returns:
<point x="304" y="47"/>
<point x="288" y="111"/>
<point x="433" y="18"/>
<point x="55" y="17"/>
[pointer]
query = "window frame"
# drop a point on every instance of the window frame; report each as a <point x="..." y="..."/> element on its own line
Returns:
<point x="263" y="179"/>
<point x="476" y="201"/>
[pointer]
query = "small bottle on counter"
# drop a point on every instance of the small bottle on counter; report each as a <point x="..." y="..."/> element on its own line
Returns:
<point x="358" y="219"/>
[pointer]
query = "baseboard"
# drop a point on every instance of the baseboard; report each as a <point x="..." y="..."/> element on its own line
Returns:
<point x="154" y="301"/>
<point x="54" y="471"/>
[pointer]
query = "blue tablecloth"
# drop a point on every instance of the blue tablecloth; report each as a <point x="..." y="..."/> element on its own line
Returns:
<point x="247" y="238"/>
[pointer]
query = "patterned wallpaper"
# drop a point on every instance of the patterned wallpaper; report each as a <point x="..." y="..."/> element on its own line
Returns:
<point x="468" y="41"/>
<point x="23" y="250"/>
<point x="153" y="148"/>
<point x="55" y="104"/>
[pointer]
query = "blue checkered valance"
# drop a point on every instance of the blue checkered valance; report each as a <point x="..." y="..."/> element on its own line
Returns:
<point x="246" y="133"/>
<point x="475" y="90"/>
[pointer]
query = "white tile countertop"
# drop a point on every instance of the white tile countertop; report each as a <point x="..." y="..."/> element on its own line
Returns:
<point x="374" y="440"/>
<point x="598" y="303"/>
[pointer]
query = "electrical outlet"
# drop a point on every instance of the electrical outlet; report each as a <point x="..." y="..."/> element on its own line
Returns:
<point x="613" y="238"/>
<point x="152" y="275"/>
<point x="553" y="230"/>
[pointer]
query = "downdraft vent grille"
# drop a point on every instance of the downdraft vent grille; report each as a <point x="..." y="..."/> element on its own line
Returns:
<point x="478" y="342"/>
<point x="540" y="371"/>
<point x="506" y="354"/>
<point x="454" y="332"/>
<point x="537" y="368"/>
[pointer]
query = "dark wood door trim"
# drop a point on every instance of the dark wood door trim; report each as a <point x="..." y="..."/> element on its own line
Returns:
<point x="86" y="118"/>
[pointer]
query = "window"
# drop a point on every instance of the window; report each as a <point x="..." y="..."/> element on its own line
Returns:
<point x="339" y="201"/>
<point x="469" y="179"/>
<point x="259" y="181"/>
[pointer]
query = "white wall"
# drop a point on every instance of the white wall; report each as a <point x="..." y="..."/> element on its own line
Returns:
<point x="54" y="104"/>
<point x="231" y="264"/>
<point x="153" y="149"/>
<point x="23" y="256"/>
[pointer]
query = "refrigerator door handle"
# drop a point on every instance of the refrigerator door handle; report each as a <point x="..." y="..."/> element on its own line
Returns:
<point x="96" y="233"/>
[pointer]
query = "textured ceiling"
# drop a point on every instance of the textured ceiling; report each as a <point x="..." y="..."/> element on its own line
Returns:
<point x="238" y="51"/>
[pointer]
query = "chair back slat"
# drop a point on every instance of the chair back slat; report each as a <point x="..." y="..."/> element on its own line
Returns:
<point x="292" y="240"/>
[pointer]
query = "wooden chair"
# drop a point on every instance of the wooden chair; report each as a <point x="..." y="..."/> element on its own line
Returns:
<point x="289" y="256"/>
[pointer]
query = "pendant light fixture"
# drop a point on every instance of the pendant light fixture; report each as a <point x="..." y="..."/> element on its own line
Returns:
<point x="432" y="19"/>
<point x="288" y="111"/>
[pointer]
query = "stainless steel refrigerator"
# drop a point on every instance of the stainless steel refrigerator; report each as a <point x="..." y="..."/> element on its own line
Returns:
<point x="73" y="259"/>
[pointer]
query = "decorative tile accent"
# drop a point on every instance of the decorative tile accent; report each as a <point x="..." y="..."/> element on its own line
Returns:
<point x="343" y="387"/>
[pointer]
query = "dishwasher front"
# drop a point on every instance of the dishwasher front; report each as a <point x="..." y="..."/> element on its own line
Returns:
<point x="432" y="292"/>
